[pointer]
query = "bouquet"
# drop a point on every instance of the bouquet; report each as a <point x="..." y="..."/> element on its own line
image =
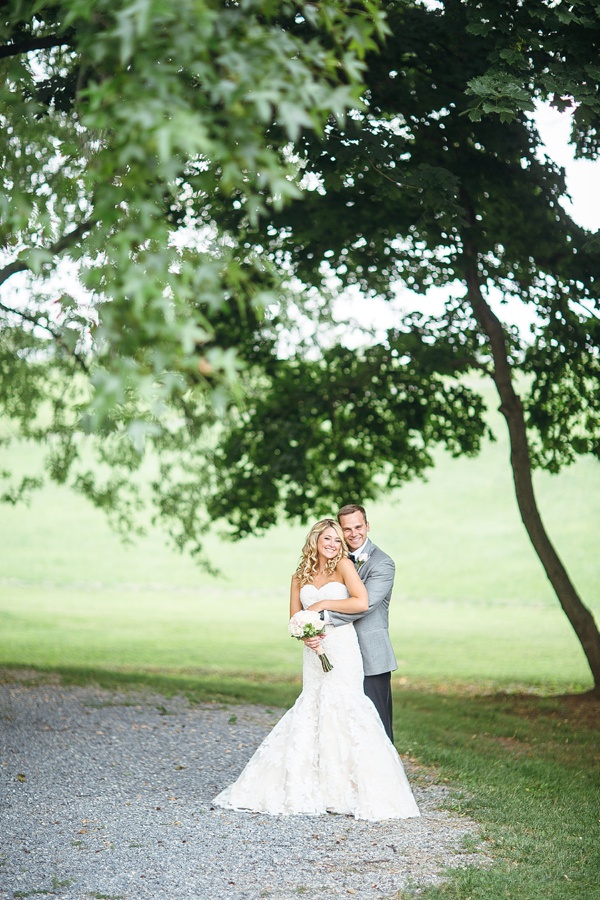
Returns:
<point x="307" y="623"/>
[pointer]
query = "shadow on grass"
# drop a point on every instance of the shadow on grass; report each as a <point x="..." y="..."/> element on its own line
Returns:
<point x="198" y="685"/>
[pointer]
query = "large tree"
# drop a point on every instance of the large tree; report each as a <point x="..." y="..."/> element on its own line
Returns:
<point x="125" y="310"/>
<point x="413" y="190"/>
<point x="158" y="158"/>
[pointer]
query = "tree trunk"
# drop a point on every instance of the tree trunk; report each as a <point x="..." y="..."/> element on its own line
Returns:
<point x="511" y="408"/>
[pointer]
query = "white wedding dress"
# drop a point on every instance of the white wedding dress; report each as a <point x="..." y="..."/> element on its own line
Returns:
<point x="329" y="752"/>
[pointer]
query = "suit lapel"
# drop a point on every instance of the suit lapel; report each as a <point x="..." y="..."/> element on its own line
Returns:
<point x="369" y="548"/>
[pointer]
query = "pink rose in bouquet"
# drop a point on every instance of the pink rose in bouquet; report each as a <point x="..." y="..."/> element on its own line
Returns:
<point x="305" y="624"/>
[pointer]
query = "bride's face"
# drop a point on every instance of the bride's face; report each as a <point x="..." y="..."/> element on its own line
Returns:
<point x="328" y="544"/>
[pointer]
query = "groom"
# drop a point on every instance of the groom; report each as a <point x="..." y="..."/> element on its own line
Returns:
<point x="376" y="570"/>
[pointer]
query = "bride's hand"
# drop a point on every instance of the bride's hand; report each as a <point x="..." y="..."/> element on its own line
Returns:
<point x="313" y="642"/>
<point x="318" y="605"/>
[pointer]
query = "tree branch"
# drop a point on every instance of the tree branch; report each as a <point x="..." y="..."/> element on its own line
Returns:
<point x="21" y="265"/>
<point x="67" y="240"/>
<point x="28" y="317"/>
<point x="461" y="362"/>
<point x="34" y="43"/>
<point x="511" y="408"/>
<point x="589" y="311"/>
<point x="42" y="322"/>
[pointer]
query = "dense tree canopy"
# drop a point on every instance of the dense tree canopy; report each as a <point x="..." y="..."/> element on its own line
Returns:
<point x="545" y="50"/>
<point x="414" y="191"/>
<point x="120" y="294"/>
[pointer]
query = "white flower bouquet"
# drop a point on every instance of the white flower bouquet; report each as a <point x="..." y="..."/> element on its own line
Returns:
<point x="305" y="624"/>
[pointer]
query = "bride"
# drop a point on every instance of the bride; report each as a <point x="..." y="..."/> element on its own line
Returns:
<point x="329" y="752"/>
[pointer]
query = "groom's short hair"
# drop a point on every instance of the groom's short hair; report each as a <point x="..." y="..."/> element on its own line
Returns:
<point x="350" y="509"/>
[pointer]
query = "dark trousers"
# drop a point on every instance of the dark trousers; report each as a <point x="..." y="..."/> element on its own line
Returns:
<point x="378" y="688"/>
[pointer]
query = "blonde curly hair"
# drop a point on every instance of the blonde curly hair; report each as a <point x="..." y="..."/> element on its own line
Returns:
<point x="307" y="567"/>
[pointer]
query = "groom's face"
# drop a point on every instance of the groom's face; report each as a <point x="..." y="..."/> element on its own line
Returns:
<point x="355" y="529"/>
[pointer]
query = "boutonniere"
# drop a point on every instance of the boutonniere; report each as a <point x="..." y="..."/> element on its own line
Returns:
<point x="361" y="560"/>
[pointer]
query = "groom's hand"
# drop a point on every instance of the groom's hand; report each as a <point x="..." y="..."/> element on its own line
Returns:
<point x="324" y="613"/>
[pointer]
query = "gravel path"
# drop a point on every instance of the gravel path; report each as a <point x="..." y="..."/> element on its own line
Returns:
<point x="108" y="795"/>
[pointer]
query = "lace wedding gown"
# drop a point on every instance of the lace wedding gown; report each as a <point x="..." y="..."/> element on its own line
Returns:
<point x="329" y="752"/>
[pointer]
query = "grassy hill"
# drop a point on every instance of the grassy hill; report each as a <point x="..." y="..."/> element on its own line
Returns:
<point x="471" y="602"/>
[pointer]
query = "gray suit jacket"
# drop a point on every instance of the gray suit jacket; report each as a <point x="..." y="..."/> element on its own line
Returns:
<point x="377" y="573"/>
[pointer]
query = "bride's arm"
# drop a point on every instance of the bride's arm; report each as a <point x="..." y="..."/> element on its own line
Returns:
<point x="295" y="604"/>
<point x="357" y="602"/>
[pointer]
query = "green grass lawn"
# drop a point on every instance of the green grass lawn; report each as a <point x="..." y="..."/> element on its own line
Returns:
<point x="527" y="770"/>
<point x="471" y="602"/>
<point x="217" y="631"/>
<point x="484" y="650"/>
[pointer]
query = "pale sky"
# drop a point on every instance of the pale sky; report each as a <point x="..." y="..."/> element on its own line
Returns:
<point x="583" y="184"/>
<point x="583" y="176"/>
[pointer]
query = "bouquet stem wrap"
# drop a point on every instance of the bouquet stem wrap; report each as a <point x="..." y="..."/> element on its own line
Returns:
<point x="327" y="667"/>
<point x="305" y="624"/>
